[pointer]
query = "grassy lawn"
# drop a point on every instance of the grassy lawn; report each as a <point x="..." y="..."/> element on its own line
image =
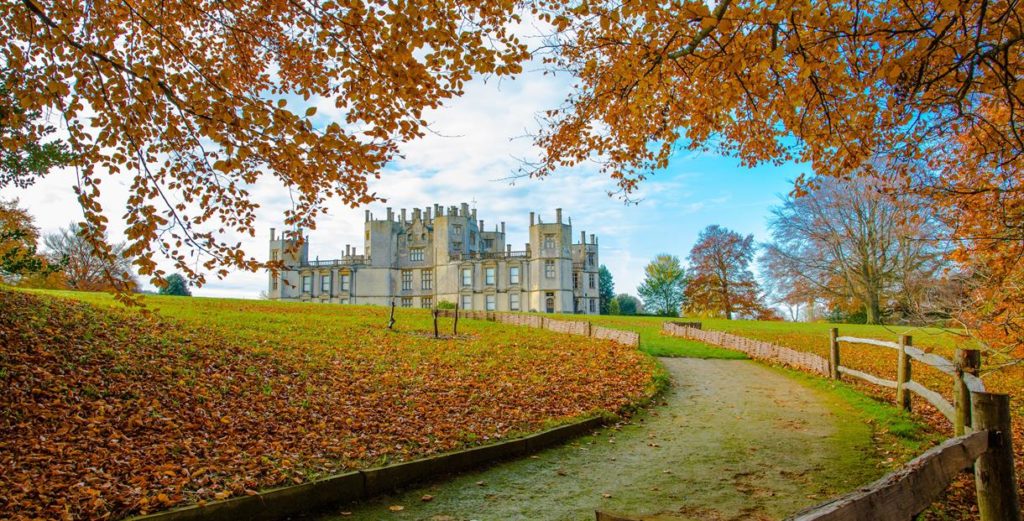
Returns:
<point x="652" y="341"/>
<point x="210" y="398"/>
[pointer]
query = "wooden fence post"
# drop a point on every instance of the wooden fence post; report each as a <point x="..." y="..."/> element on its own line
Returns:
<point x="455" y="325"/>
<point x="435" y="312"/>
<point x="903" y="374"/>
<point x="833" y="353"/>
<point x="966" y="361"/>
<point x="993" y="472"/>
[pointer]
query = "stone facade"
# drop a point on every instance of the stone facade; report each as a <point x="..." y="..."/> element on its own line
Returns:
<point x="426" y="256"/>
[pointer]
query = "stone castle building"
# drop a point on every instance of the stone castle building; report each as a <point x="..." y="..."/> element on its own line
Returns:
<point x="426" y="256"/>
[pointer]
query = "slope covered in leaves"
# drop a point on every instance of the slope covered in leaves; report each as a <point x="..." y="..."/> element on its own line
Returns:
<point x="106" y="412"/>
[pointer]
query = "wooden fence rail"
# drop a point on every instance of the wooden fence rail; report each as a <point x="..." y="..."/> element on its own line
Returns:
<point x="981" y="423"/>
<point x="963" y="380"/>
<point x="570" y="327"/>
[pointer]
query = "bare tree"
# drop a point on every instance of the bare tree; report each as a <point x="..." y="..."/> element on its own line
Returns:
<point x="86" y="269"/>
<point x="851" y="240"/>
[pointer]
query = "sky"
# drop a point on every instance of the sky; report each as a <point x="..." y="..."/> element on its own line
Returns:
<point x="476" y="143"/>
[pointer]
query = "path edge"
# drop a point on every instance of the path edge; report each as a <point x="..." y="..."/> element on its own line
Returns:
<point x="281" y="502"/>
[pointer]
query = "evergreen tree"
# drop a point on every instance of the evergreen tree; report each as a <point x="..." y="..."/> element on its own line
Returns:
<point x="176" y="285"/>
<point x="606" y="290"/>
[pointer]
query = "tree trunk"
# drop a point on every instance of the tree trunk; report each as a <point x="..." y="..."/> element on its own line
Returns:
<point x="872" y="308"/>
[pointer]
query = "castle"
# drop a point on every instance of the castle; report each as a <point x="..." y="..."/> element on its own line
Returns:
<point x="427" y="256"/>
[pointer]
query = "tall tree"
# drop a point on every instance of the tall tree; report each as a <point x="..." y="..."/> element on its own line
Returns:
<point x="176" y="285"/>
<point x="849" y="240"/>
<point x="663" y="286"/>
<point x="84" y="268"/>
<point x="721" y="282"/>
<point x="190" y="102"/>
<point x="606" y="290"/>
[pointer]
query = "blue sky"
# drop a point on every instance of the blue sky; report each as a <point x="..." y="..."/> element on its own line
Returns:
<point x="475" y="145"/>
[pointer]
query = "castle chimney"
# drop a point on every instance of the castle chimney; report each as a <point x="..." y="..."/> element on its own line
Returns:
<point x="465" y="209"/>
<point x="391" y="214"/>
<point x="481" y="224"/>
<point x="474" y="213"/>
<point x="416" y="214"/>
<point x="428" y="214"/>
<point x="367" y="216"/>
<point x="348" y="250"/>
<point x="403" y="214"/>
<point x="531" y="218"/>
<point x="593" y="239"/>
<point x="583" y="237"/>
<point x="558" y="215"/>
<point x="508" y="248"/>
<point x="503" y="227"/>
<point x="273" y="234"/>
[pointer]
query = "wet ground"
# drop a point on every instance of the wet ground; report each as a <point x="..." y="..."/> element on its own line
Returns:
<point x="731" y="439"/>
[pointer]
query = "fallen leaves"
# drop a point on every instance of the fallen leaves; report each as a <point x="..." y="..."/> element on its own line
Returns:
<point x="107" y="413"/>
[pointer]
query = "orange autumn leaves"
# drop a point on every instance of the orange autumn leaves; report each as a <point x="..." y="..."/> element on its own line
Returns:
<point x="108" y="413"/>
<point x="188" y="103"/>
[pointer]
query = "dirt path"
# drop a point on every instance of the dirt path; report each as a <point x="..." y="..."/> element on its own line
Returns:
<point x="732" y="440"/>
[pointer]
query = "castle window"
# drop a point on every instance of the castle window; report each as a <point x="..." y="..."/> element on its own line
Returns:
<point x="513" y="301"/>
<point x="416" y="254"/>
<point x="549" y="241"/>
<point x="325" y="283"/>
<point x="344" y="301"/>
<point x="406" y="302"/>
<point x="273" y="255"/>
<point x="467" y="302"/>
<point x="593" y="305"/>
<point x="575" y="280"/>
<point x="273" y="284"/>
<point x="307" y="283"/>
<point x="489" y="276"/>
<point x="549" y="269"/>
<point x="467" y="276"/>
<point x="457" y="230"/>
<point x="590" y="258"/>
<point x="488" y="244"/>
<point x="426" y="302"/>
<point x="593" y="281"/>
<point x="345" y="278"/>
<point x="513" y="275"/>
<point x="406" y="279"/>
<point x="426" y="279"/>
<point x="490" y="302"/>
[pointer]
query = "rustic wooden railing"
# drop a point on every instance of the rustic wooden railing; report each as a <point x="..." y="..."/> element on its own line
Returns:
<point x="964" y="372"/>
<point x="981" y="423"/>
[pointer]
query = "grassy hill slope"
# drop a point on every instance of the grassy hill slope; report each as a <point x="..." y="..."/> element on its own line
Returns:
<point x="107" y="412"/>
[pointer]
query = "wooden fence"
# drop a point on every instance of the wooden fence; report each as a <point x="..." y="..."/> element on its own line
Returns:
<point x="569" y="327"/>
<point x="754" y="348"/>
<point x="981" y="423"/>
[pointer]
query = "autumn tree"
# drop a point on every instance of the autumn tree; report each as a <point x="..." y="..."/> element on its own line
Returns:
<point x="191" y="104"/>
<point x="833" y="85"/>
<point x="84" y="269"/>
<point x="18" y="242"/>
<point x="851" y="241"/>
<point x="663" y="287"/>
<point x="606" y="289"/>
<point x="176" y="285"/>
<point x="721" y="283"/>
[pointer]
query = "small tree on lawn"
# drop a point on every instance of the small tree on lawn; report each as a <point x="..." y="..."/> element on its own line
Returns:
<point x="606" y="291"/>
<point x="176" y="285"/>
<point x="625" y="304"/>
<point x="721" y="282"/>
<point x="664" y="285"/>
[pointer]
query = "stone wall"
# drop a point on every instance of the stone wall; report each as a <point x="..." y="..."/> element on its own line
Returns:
<point x="753" y="348"/>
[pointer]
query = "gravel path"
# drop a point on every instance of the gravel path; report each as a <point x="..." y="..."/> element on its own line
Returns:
<point x="730" y="440"/>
